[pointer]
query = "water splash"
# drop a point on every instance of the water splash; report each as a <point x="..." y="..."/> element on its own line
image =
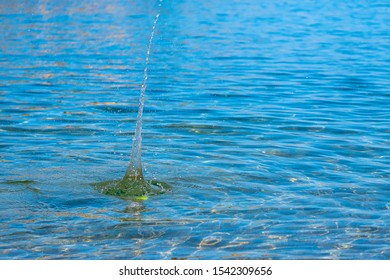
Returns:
<point x="134" y="170"/>
<point x="133" y="184"/>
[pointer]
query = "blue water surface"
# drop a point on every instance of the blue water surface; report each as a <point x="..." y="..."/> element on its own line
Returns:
<point x="269" y="119"/>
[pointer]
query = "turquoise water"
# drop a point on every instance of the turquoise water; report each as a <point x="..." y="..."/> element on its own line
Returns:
<point x="269" y="119"/>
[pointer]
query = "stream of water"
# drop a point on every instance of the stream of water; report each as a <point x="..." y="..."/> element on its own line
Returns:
<point x="135" y="165"/>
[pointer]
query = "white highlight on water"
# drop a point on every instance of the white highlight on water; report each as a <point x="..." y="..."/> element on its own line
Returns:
<point x="134" y="170"/>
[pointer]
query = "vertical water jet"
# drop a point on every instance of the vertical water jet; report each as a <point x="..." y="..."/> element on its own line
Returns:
<point x="134" y="169"/>
<point x="133" y="184"/>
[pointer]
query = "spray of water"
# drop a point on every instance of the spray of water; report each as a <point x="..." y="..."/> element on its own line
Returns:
<point x="134" y="170"/>
<point x="133" y="185"/>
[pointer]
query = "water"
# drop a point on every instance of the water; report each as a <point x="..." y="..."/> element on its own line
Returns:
<point x="135" y="165"/>
<point x="133" y="185"/>
<point x="270" y="120"/>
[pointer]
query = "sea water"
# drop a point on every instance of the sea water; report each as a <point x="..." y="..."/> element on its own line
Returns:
<point x="269" y="119"/>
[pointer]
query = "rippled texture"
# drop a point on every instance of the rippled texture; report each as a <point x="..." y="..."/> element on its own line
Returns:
<point x="269" y="119"/>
